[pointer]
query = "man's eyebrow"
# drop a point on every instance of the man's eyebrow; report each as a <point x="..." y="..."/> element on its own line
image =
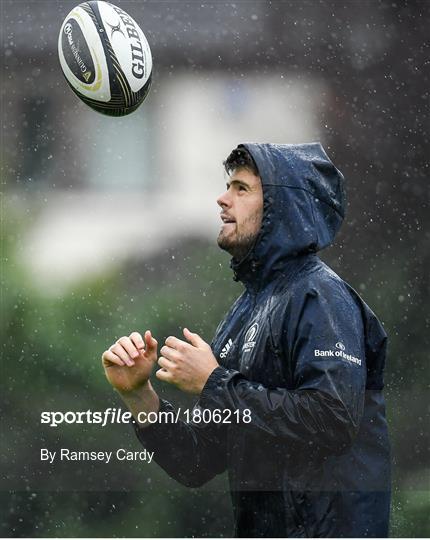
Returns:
<point x="239" y="182"/>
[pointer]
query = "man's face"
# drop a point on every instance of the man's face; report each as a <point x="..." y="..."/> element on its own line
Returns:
<point x="241" y="212"/>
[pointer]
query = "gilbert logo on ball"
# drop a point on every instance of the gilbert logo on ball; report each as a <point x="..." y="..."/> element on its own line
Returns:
<point x="105" y="57"/>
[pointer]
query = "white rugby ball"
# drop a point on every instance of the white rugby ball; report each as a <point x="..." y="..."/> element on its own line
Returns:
<point x="105" y="57"/>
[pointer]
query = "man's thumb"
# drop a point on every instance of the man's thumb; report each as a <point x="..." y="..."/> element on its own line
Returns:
<point x="193" y="338"/>
<point x="151" y="343"/>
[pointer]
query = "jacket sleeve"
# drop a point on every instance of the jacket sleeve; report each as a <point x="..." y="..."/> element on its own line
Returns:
<point x="191" y="453"/>
<point x="322" y="342"/>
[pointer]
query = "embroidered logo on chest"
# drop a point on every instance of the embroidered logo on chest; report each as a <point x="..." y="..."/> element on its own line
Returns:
<point x="250" y="336"/>
<point x="226" y="349"/>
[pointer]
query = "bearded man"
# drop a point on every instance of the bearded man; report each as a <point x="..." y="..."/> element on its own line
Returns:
<point x="298" y="360"/>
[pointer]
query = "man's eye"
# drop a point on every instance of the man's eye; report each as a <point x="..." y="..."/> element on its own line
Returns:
<point x="242" y="188"/>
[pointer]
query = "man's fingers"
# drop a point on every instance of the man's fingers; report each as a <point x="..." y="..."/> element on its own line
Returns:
<point x="170" y="354"/>
<point x="194" y="339"/>
<point x="175" y="343"/>
<point x="122" y="353"/>
<point x="137" y="340"/>
<point x="128" y="345"/>
<point x="163" y="375"/>
<point x="108" y="357"/>
<point x="151" y="343"/>
<point x="166" y="364"/>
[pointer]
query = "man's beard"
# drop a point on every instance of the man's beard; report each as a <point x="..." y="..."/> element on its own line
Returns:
<point x="239" y="246"/>
<point x="241" y="243"/>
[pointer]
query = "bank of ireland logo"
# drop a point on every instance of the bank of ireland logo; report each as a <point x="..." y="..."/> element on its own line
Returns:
<point x="250" y="338"/>
<point x="339" y="352"/>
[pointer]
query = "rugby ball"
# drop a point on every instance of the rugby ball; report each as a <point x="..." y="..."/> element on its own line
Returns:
<point x="105" y="58"/>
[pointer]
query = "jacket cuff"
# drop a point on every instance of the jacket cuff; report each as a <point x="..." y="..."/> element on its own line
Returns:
<point x="211" y="395"/>
<point x="153" y="432"/>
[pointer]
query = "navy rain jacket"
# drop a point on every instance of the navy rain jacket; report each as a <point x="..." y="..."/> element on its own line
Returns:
<point x="305" y="355"/>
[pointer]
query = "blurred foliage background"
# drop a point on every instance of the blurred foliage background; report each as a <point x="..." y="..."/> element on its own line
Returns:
<point x="373" y="60"/>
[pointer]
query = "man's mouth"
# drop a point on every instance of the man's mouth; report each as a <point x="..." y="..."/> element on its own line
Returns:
<point x="227" y="219"/>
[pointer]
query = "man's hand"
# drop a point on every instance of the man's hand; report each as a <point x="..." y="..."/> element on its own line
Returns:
<point x="186" y="365"/>
<point x="128" y="363"/>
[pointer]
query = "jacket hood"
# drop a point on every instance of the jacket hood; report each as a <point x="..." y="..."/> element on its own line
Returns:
<point x="303" y="208"/>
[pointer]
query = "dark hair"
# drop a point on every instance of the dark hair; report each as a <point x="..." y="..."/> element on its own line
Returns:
<point x="240" y="158"/>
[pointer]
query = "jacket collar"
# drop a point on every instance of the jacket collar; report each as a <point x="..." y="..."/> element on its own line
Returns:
<point x="255" y="275"/>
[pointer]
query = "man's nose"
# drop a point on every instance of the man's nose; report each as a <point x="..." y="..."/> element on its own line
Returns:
<point x="224" y="200"/>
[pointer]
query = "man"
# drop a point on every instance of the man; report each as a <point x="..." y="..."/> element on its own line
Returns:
<point x="299" y="359"/>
